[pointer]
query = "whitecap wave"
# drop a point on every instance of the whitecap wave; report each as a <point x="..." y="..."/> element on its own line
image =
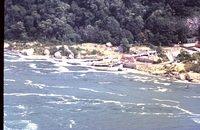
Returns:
<point x="196" y="120"/>
<point x="40" y="94"/>
<point x="104" y="82"/>
<point x="91" y="90"/>
<point x="121" y="95"/>
<point x="33" y="66"/>
<point x="143" y="79"/>
<point x="180" y="109"/>
<point x="173" y="101"/>
<point x="195" y="97"/>
<point x="9" y="80"/>
<point x="161" y="89"/>
<point x="57" y="86"/>
<point x="140" y="104"/>
<point x="96" y="91"/>
<point x="82" y="75"/>
<point x="31" y="126"/>
<point x="61" y="69"/>
<point x="72" y="123"/>
<point x="7" y="69"/>
<point x="30" y="83"/>
<point x="10" y="55"/>
<point x="21" y="107"/>
<point x="65" y="102"/>
<point x="28" y="125"/>
<point x="141" y="88"/>
<point x="75" y="77"/>
<point x="157" y="82"/>
<point x="38" y="72"/>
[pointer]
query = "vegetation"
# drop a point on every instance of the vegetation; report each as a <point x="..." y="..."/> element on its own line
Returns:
<point x="95" y="52"/>
<point x="161" y="54"/>
<point x="192" y="62"/>
<point x="195" y="67"/>
<point x="160" y="22"/>
<point x="184" y="56"/>
<point x="158" y="61"/>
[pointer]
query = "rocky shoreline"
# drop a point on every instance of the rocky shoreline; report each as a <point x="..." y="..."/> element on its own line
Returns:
<point x="105" y="57"/>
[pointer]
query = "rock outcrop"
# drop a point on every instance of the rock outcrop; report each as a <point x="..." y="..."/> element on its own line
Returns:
<point x="46" y="52"/>
<point x="28" y="52"/>
<point x="67" y="50"/>
<point x="58" y="55"/>
<point x="6" y="45"/>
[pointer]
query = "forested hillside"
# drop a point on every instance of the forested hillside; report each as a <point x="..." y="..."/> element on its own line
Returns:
<point x="118" y="21"/>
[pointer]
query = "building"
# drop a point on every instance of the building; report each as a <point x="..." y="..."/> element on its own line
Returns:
<point x="191" y="40"/>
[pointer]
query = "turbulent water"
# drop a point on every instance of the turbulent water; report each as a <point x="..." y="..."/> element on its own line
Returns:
<point x="44" y="94"/>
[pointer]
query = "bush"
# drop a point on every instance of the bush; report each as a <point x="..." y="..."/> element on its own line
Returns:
<point x="162" y="54"/>
<point x="184" y="56"/>
<point x="192" y="67"/>
<point x="53" y="50"/>
<point x="158" y="61"/>
<point x="196" y="68"/>
<point x="75" y="51"/>
<point x="196" y="57"/>
<point x="95" y="52"/>
<point x="125" y="45"/>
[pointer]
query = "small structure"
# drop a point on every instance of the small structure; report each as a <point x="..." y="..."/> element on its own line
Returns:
<point x="147" y="53"/>
<point x="191" y="40"/>
<point x="192" y="46"/>
<point x="127" y="58"/>
<point x="109" y="44"/>
<point x="144" y="59"/>
<point x="31" y="43"/>
<point x="189" y="45"/>
<point x="129" y="65"/>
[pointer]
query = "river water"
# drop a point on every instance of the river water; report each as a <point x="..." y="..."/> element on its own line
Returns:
<point x="44" y="94"/>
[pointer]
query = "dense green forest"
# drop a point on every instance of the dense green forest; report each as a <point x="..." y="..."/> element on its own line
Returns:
<point x="160" y="22"/>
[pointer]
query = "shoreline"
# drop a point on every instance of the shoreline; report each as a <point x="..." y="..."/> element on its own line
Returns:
<point x="89" y="61"/>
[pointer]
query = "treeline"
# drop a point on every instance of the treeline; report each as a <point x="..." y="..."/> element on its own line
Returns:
<point x="160" y="22"/>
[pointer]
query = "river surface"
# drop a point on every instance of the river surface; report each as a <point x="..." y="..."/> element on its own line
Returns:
<point x="44" y="94"/>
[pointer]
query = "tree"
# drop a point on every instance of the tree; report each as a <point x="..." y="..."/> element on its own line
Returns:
<point x="143" y="21"/>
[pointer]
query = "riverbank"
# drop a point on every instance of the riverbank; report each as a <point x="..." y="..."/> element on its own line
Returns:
<point x="107" y="58"/>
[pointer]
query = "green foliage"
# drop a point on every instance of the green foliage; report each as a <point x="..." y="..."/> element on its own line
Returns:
<point x="161" y="54"/>
<point x="158" y="61"/>
<point x="125" y="45"/>
<point x="189" y="66"/>
<point x="160" y="22"/>
<point x="53" y="50"/>
<point x="196" y="57"/>
<point x="74" y="51"/>
<point x="184" y="56"/>
<point x="195" y="68"/>
<point x="95" y="52"/>
<point x="192" y="61"/>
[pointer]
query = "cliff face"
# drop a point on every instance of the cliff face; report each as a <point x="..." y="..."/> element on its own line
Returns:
<point x="134" y="21"/>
